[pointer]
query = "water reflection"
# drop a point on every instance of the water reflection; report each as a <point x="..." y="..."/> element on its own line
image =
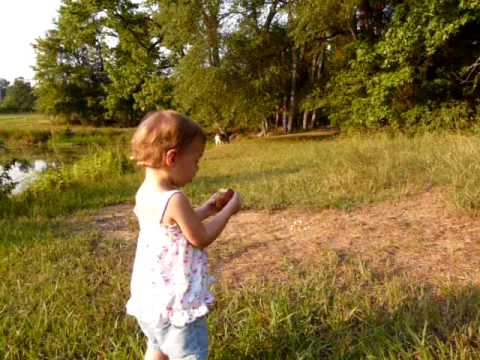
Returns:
<point x="21" y="173"/>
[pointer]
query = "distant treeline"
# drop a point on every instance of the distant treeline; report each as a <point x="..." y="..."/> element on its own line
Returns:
<point x="263" y="63"/>
<point x="17" y="97"/>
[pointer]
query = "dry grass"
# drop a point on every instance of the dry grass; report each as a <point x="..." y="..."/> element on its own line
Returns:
<point x="423" y="237"/>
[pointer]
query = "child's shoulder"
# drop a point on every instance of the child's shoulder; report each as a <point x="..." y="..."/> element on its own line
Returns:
<point x="149" y="194"/>
<point x="153" y="204"/>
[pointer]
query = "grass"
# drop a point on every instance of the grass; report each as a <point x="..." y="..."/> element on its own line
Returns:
<point x="63" y="289"/>
<point x="18" y="130"/>
<point x="344" y="311"/>
<point x="69" y="304"/>
<point x="25" y="121"/>
<point x="345" y="172"/>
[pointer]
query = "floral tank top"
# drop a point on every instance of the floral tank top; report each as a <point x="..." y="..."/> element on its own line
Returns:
<point x="170" y="276"/>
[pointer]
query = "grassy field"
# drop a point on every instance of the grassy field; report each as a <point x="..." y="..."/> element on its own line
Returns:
<point x="39" y="122"/>
<point x="64" y="287"/>
<point x="34" y="133"/>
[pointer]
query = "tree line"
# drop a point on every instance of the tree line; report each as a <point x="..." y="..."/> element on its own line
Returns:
<point x="17" y="97"/>
<point x="295" y="64"/>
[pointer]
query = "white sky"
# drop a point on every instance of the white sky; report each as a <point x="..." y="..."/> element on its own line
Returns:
<point x="21" y="22"/>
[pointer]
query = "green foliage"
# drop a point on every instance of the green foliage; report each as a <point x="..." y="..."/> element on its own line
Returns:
<point x="99" y="64"/>
<point x="411" y="77"/>
<point x="98" y="166"/>
<point x="99" y="178"/>
<point x="18" y="97"/>
<point x="6" y="182"/>
<point x="360" y="64"/>
<point x="138" y="69"/>
<point x="69" y="85"/>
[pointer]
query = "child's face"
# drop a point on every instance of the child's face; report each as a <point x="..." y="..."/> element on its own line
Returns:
<point x="186" y="164"/>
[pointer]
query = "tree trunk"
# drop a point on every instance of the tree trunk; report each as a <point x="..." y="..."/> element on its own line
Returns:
<point x="265" y="126"/>
<point x="212" y="23"/>
<point x="321" y="63"/>
<point x="305" y="120"/>
<point x="285" y="115"/>
<point x="291" y="116"/>
<point x="312" y="121"/>
<point x="277" y="119"/>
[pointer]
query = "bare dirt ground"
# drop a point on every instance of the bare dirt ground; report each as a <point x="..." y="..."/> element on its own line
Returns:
<point x="423" y="237"/>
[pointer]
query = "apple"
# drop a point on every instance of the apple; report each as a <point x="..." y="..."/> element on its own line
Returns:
<point x="223" y="197"/>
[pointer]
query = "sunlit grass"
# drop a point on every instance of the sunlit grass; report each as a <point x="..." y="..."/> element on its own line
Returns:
<point x="25" y="121"/>
<point x="345" y="172"/>
<point x="64" y="298"/>
<point x="64" y="287"/>
<point x="37" y="129"/>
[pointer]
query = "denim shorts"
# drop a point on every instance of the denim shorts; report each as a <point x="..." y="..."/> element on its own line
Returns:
<point x="189" y="342"/>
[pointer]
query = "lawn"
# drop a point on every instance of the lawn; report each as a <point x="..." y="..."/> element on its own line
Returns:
<point x="22" y="132"/>
<point x="65" y="278"/>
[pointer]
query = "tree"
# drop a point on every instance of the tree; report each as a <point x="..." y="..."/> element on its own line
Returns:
<point x="70" y="65"/>
<point x="138" y="68"/>
<point x="421" y="72"/>
<point x="102" y="63"/>
<point x="3" y="88"/>
<point x="229" y="69"/>
<point x="231" y="63"/>
<point x="19" y="97"/>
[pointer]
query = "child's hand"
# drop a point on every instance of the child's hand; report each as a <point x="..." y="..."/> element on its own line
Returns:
<point x="210" y="205"/>
<point x="222" y="197"/>
<point x="235" y="203"/>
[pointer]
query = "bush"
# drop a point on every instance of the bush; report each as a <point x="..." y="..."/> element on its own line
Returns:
<point x="100" y="165"/>
<point x="6" y="182"/>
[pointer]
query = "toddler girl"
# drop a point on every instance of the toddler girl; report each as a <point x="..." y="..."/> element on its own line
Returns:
<point x="169" y="286"/>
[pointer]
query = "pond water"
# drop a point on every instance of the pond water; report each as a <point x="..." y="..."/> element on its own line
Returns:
<point x="34" y="160"/>
<point x="21" y="165"/>
<point x="21" y="173"/>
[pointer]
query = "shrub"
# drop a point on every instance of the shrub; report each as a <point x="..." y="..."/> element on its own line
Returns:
<point x="102" y="164"/>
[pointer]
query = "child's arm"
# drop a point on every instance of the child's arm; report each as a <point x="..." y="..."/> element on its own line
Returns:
<point x="207" y="209"/>
<point x="197" y="233"/>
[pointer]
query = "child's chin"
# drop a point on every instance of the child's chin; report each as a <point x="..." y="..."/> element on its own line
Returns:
<point x="185" y="182"/>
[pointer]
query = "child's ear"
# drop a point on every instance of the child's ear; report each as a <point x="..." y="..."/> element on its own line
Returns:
<point x="170" y="157"/>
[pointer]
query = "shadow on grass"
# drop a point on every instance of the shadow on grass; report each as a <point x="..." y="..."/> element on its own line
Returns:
<point x="214" y="182"/>
<point x="329" y="316"/>
<point x="322" y="134"/>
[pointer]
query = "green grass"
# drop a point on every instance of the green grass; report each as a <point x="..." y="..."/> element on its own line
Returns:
<point x="63" y="290"/>
<point x="69" y="304"/>
<point x="344" y="311"/>
<point x="36" y="129"/>
<point x="345" y="172"/>
<point x="341" y="173"/>
<point x="25" y="121"/>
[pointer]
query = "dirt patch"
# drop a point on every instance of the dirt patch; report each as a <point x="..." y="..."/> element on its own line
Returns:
<point x="423" y="237"/>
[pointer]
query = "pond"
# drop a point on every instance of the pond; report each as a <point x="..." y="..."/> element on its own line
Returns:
<point x="16" y="175"/>
<point x="20" y="166"/>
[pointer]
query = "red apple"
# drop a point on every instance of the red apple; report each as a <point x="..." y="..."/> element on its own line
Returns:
<point x="223" y="197"/>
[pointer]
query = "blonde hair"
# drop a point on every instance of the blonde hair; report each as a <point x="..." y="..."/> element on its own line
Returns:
<point x="161" y="131"/>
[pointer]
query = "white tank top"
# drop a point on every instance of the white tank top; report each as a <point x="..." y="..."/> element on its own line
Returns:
<point x="170" y="276"/>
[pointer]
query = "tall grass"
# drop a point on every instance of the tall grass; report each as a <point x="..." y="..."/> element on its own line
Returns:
<point x="340" y="173"/>
<point x="103" y="177"/>
<point x="345" y="172"/>
<point x="65" y="300"/>
<point x="344" y="311"/>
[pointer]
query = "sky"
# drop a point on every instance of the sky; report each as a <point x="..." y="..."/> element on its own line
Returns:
<point x="21" y="22"/>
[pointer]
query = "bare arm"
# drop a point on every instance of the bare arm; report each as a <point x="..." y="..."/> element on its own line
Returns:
<point x="207" y="209"/>
<point x="197" y="233"/>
